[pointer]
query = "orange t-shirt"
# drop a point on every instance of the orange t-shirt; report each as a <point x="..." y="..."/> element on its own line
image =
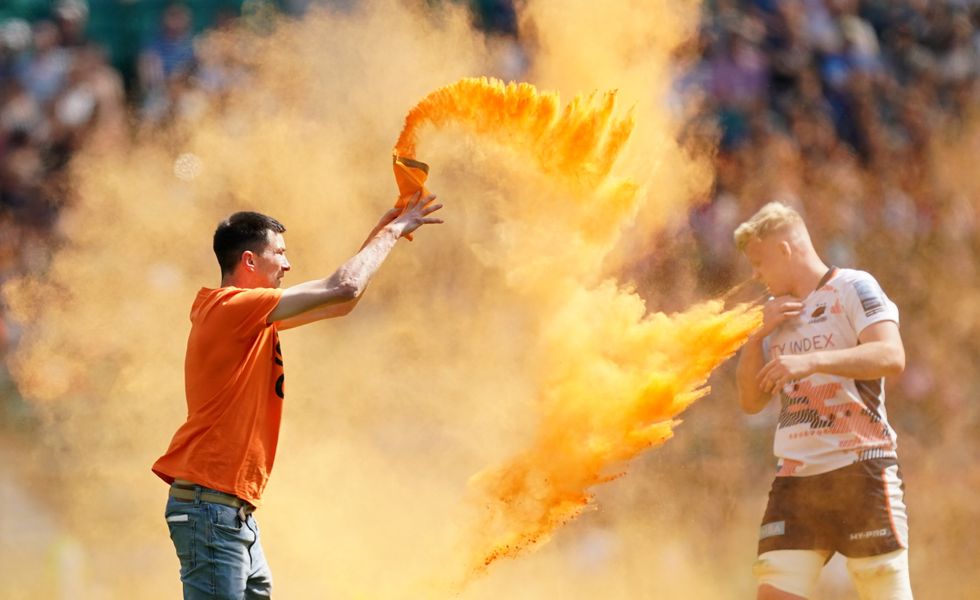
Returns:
<point x="233" y="375"/>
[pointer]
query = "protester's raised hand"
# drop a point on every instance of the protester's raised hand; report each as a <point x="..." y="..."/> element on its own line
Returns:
<point x="416" y="214"/>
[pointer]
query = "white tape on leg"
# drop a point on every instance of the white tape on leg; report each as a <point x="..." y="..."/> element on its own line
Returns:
<point x="792" y="571"/>
<point x="882" y="577"/>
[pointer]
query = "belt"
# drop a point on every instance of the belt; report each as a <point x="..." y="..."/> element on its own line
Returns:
<point x="191" y="492"/>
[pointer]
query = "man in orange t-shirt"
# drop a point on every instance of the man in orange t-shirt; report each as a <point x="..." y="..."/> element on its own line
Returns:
<point x="219" y="460"/>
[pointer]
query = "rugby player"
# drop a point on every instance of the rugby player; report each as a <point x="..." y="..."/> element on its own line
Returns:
<point x="829" y="338"/>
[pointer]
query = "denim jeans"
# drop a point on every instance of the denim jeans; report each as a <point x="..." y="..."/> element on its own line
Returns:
<point x="221" y="557"/>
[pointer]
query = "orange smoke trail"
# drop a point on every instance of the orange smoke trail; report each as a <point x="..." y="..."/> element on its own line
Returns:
<point x="612" y="377"/>
<point x="584" y="140"/>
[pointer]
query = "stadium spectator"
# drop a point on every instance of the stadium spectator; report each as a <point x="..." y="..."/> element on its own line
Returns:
<point x="43" y="71"/>
<point x="167" y="59"/>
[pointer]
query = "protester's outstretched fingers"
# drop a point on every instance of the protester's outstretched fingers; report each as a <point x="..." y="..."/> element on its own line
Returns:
<point x="416" y="213"/>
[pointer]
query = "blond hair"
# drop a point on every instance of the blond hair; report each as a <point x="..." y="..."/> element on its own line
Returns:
<point x="768" y="219"/>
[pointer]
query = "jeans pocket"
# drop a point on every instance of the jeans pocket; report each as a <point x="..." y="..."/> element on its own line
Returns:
<point x="224" y="518"/>
<point x="183" y="533"/>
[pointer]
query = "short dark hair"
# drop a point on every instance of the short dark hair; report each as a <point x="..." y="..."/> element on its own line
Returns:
<point x="242" y="231"/>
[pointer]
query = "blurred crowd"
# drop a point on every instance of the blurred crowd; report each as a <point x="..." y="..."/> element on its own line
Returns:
<point x="57" y="92"/>
<point x="834" y="106"/>
<point x="854" y="111"/>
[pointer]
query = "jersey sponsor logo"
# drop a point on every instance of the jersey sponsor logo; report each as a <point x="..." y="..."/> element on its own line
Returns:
<point x="772" y="529"/>
<point x="804" y="345"/>
<point x="871" y="298"/>
<point x="819" y="314"/>
<point x="874" y="533"/>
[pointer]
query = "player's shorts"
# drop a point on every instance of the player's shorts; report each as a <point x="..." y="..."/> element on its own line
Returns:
<point x="858" y="510"/>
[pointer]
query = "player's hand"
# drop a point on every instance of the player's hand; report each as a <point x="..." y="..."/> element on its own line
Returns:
<point x="416" y="214"/>
<point x="784" y="369"/>
<point x="778" y="310"/>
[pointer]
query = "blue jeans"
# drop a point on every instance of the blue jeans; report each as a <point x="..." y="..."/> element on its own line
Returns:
<point x="221" y="557"/>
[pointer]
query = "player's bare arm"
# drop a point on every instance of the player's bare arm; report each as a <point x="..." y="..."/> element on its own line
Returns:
<point x="752" y="397"/>
<point x="348" y="283"/>
<point x="880" y="353"/>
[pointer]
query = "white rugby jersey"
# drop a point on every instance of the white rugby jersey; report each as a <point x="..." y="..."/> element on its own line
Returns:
<point x="825" y="421"/>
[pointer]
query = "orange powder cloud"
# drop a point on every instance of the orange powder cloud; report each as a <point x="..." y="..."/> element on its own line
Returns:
<point x="611" y="379"/>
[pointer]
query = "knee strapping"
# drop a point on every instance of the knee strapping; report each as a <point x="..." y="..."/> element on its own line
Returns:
<point x="793" y="571"/>
<point x="882" y="577"/>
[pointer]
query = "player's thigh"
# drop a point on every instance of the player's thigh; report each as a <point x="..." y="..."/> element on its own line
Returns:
<point x="882" y="577"/>
<point x="875" y="522"/>
<point x="796" y="516"/>
<point x="789" y="571"/>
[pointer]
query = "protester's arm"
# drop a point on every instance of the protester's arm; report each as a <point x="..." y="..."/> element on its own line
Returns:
<point x="329" y="311"/>
<point x="332" y="311"/>
<point x="879" y="353"/>
<point x="751" y="395"/>
<point x="347" y="284"/>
